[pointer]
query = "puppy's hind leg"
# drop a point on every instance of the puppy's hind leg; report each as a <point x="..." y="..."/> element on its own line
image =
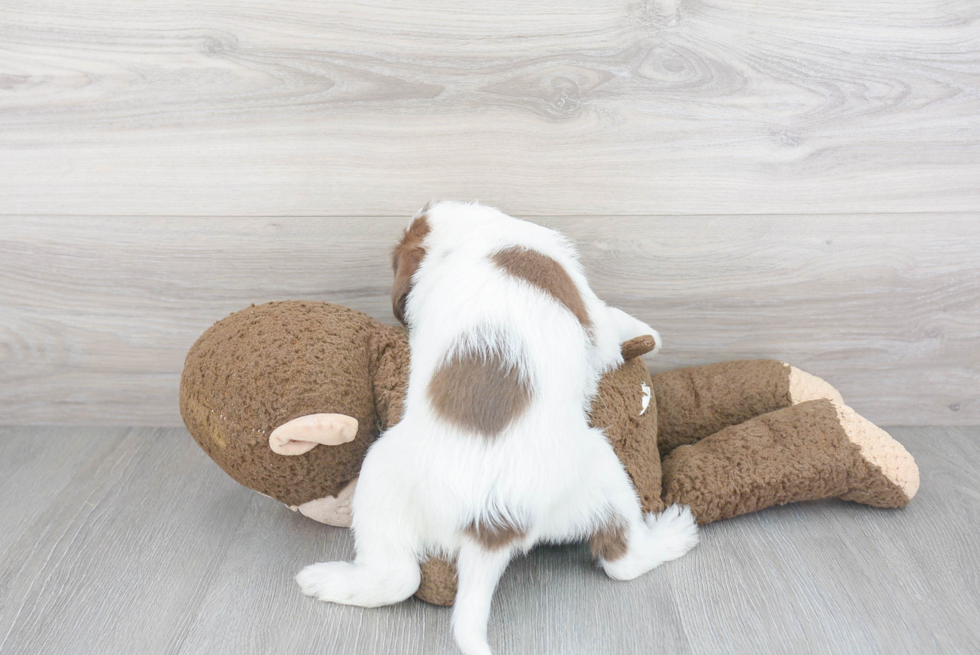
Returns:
<point x="479" y="571"/>
<point x="386" y="569"/>
<point x="628" y="549"/>
<point x="366" y="583"/>
<point x="627" y="543"/>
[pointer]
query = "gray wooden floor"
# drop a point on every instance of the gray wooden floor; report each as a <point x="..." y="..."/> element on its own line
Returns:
<point x="129" y="540"/>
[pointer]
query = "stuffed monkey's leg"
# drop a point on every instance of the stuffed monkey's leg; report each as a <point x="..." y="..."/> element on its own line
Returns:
<point x="695" y="402"/>
<point x="813" y="450"/>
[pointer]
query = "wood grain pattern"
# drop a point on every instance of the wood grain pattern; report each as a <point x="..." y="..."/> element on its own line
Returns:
<point x="550" y="108"/>
<point x="289" y="624"/>
<point x="145" y="546"/>
<point x="33" y="473"/>
<point x="98" y="313"/>
<point x="120" y="554"/>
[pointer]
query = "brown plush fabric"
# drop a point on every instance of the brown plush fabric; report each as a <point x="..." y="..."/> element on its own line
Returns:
<point x="263" y="366"/>
<point x="389" y="372"/>
<point x="792" y="454"/>
<point x="439" y="582"/>
<point x="869" y="486"/>
<point x="695" y="402"/>
<point x="616" y="409"/>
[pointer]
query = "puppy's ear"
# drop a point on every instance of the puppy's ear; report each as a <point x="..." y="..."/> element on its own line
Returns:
<point x="637" y="346"/>
<point x="405" y="263"/>
<point x="405" y="260"/>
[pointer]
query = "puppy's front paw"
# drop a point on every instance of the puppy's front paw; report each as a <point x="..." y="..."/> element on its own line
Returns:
<point x="326" y="581"/>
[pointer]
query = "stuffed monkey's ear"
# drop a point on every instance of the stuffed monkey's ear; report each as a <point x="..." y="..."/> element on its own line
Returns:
<point x="303" y="434"/>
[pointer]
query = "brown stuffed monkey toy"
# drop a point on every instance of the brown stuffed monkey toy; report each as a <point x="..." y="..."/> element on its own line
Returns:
<point x="287" y="397"/>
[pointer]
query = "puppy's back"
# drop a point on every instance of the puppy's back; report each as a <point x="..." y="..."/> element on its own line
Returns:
<point x="501" y="320"/>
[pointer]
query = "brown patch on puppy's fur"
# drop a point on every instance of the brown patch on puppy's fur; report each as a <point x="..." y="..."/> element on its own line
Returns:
<point x="405" y="260"/>
<point x="494" y="534"/>
<point x="609" y="542"/>
<point x="481" y="392"/>
<point x="546" y="274"/>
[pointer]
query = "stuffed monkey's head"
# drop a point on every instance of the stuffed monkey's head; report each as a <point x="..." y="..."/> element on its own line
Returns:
<point x="265" y="366"/>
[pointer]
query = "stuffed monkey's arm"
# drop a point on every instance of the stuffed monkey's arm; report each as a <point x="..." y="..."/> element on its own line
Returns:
<point x="305" y="433"/>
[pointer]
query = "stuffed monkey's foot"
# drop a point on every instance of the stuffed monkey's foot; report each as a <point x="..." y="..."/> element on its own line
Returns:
<point x="332" y="510"/>
<point x="888" y="476"/>
<point x="804" y="387"/>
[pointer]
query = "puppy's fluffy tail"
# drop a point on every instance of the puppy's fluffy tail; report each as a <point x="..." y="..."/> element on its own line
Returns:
<point x="479" y="571"/>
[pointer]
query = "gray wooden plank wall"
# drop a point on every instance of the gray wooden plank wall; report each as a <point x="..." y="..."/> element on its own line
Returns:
<point x="316" y="107"/>
<point x="797" y="180"/>
<point x="99" y="312"/>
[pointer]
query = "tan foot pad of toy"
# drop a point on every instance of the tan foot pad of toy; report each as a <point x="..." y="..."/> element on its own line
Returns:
<point x="332" y="510"/>
<point x="890" y="477"/>
<point x="804" y="387"/>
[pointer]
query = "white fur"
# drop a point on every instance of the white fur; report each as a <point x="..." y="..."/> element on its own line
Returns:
<point x="424" y="480"/>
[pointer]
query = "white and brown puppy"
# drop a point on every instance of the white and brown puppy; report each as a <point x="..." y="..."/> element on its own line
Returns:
<point x="494" y="453"/>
